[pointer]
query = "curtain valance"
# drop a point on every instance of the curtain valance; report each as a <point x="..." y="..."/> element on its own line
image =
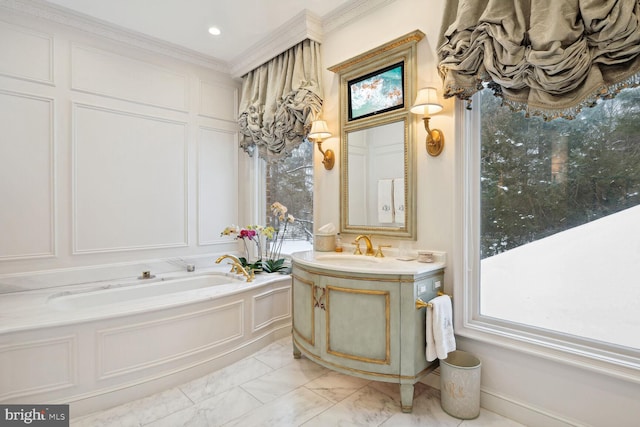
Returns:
<point x="547" y="57"/>
<point x="279" y="101"/>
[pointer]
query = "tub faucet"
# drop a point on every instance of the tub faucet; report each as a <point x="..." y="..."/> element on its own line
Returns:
<point x="367" y="240"/>
<point x="237" y="268"/>
<point x="146" y="275"/>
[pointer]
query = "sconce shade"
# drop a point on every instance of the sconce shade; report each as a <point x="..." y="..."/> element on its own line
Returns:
<point x="319" y="130"/>
<point x="426" y="102"/>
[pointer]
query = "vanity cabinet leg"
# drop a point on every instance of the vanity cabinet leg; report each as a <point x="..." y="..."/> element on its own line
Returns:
<point x="296" y="353"/>
<point x="406" y="397"/>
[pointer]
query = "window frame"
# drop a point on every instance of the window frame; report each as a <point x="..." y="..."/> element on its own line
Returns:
<point x="609" y="359"/>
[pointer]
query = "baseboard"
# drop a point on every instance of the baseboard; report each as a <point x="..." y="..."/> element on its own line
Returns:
<point x="523" y="413"/>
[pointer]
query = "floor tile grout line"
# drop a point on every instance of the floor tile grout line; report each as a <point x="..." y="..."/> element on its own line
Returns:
<point x="185" y="394"/>
<point x="333" y="404"/>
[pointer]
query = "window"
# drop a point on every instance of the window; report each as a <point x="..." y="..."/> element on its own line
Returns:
<point x="551" y="213"/>
<point x="290" y="182"/>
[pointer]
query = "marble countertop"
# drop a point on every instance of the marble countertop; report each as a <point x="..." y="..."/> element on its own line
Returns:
<point x="392" y="263"/>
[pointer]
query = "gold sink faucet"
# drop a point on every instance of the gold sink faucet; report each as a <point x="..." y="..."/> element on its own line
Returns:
<point x="367" y="241"/>
<point x="237" y="268"/>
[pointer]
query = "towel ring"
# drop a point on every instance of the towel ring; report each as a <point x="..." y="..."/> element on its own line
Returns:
<point x="421" y="304"/>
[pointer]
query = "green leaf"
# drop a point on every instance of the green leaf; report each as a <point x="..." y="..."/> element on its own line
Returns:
<point x="271" y="266"/>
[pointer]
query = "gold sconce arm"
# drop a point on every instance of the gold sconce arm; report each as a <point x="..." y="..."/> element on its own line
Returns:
<point x="329" y="158"/>
<point x="435" y="139"/>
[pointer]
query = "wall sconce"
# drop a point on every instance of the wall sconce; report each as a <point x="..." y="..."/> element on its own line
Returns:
<point x="427" y="104"/>
<point x="320" y="131"/>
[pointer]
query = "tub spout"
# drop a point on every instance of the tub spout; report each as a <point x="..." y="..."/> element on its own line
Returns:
<point x="146" y="275"/>
<point x="237" y="268"/>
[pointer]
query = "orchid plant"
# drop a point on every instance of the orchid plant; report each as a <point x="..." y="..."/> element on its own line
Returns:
<point x="273" y="239"/>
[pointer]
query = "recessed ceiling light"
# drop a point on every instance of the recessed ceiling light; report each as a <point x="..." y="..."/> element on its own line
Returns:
<point x="214" y="31"/>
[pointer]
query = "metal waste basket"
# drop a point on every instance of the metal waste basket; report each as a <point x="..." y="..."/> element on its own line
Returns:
<point x="460" y="385"/>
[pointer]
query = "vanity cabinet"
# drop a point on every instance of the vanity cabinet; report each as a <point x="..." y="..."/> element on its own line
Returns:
<point x="364" y="324"/>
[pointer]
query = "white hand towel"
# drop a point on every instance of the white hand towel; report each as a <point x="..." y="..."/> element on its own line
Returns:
<point x="398" y="200"/>
<point x="385" y="206"/>
<point x="440" y="338"/>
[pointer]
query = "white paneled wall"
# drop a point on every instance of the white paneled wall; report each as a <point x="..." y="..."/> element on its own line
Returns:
<point x="210" y="96"/>
<point x="109" y="153"/>
<point x="37" y="65"/>
<point x="26" y="176"/>
<point x="216" y="152"/>
<point x="129" y="172"/>
<point x="117" y="76"/>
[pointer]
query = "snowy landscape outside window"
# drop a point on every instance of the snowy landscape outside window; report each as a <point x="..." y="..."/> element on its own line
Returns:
<point x="290" y="182"/>
<point x="560" y="219"/>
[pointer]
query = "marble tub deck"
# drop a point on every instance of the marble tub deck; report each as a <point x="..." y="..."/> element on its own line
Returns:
<point x="271" y="388"/>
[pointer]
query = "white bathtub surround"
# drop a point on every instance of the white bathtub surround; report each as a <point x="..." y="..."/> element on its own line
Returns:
<point x="307" y="396"/>
<point x="17" y="282"/>
<point x="95" y="345"/>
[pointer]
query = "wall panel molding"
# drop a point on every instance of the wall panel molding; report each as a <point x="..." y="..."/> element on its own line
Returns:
<point x="270" y="307"/>
<point x="38" y="65"/>
<point x="27" y="166"/>
<point x="41" y="372"/>
<point x="129" y="180"/>
<point x="218" y="101"/>
<point x="217" y="180"/>
<point x="116" y="76"/>
<point x="138" y="338"/>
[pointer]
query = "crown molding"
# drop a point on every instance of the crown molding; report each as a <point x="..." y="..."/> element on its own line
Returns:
<point x="305" y="25"/>
<point x="50" y="12"/>
<point x="349" y="12"/>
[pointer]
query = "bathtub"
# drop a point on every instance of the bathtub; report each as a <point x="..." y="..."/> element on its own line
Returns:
<point x="96" y="345"/>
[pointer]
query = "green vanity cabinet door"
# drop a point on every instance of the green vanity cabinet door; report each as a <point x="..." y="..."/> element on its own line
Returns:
<point x="304" y="304"/>
<point x="360" y="321"/>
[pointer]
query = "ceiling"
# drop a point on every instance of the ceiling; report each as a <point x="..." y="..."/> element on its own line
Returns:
<point x="185" y="23"/>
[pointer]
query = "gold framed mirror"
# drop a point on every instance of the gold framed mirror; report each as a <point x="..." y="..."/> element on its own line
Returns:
<point x="377" y="162"/>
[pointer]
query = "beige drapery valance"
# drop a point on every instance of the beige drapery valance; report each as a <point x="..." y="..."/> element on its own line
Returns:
<point x="547" y="57"/>
<point x="279" y="101"/>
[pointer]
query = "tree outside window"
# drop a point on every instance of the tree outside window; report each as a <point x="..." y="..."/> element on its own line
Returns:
<point x="540" y="178"/>
<point x="290" y="182"/>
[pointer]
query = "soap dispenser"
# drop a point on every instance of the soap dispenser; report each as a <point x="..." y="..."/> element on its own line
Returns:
<point x="338" y="243"/>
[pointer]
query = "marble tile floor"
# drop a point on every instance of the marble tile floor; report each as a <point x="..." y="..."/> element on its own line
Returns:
<point x="271" y="388"/>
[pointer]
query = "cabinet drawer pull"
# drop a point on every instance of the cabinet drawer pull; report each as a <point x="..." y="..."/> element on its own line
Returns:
<point x="319" y="302"/>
